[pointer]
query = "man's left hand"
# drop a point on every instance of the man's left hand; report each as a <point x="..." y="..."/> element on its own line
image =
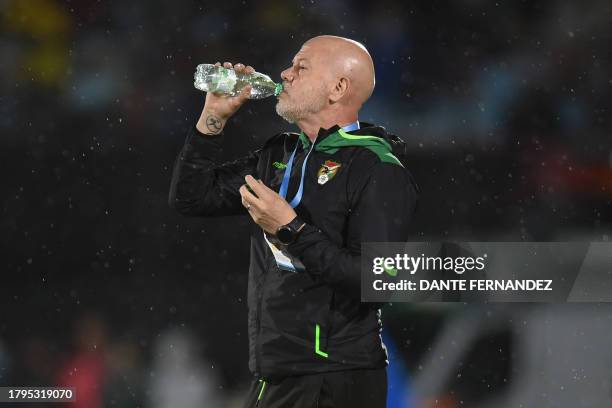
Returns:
<point x="266" y="207"/>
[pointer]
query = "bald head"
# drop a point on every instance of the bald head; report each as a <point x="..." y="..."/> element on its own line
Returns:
<point x="329" y="79"/>
<point x="349" y="59"/>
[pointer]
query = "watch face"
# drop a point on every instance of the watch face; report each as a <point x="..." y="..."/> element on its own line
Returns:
<point x="285" y="234"/>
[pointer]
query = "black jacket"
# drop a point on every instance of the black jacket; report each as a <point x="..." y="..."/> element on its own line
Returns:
<point x="309" y="322"/>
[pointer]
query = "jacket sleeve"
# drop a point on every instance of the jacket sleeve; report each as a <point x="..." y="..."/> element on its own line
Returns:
<point x="382" y="213"/>
<point x="201" y="186"/>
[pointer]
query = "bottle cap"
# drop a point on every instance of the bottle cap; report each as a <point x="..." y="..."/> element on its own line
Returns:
<point x="279" y="89"/>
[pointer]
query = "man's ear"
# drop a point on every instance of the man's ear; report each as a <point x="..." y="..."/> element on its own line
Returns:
<point x="340" y="89"/>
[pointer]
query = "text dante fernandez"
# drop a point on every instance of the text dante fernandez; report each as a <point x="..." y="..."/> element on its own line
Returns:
<point x="467" y="285"/>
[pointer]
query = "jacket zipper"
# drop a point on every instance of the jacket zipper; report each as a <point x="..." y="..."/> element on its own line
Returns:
<point x="258" y="312"/>
<point x="259" y="302"/>
<point x="258" y="321"/>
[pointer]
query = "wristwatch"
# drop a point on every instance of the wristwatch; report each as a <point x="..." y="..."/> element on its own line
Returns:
<point x="287" y="233"/>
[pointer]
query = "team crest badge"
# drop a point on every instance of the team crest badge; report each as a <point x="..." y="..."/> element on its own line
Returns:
<point x="327" y="171"/>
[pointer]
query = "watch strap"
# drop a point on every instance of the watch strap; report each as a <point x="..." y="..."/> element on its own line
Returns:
<point x="296" y="224"/>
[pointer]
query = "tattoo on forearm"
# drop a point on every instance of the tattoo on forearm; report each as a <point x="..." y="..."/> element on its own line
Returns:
<point x="213" y="124"/>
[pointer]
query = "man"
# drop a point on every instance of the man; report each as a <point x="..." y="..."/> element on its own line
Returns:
<point x="314" y="198"/>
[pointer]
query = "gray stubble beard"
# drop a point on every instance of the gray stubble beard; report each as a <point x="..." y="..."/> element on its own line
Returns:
<point x="300" y="112"/>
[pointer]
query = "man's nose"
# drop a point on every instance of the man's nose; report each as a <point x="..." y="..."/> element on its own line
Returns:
<point x="286" y="75"/>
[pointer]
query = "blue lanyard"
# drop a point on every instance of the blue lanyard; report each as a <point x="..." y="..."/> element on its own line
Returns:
<point x="285" y="184"/>
<point x="351" y="126"/>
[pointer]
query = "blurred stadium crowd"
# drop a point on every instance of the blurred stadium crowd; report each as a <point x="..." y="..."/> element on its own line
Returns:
<point x="504" y="105"/>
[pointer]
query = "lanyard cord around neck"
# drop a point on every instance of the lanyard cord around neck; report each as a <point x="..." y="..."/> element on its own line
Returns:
<point x="285" y="184"/>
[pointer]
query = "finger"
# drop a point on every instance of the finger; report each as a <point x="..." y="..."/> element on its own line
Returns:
<point x="227" y="65"/>
<point x="246" y="205"/>
<point x="249" y="69"/>
<point x="248" y="197"/>
<point x="238" y="67"/>
<point x="246" y="92"/>
<point x="261" y="183"/>
<point x="218" y="64"/>
<point x="256" y="186"/>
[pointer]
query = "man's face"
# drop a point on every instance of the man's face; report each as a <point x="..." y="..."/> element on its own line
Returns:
<point x="305" y="85"/>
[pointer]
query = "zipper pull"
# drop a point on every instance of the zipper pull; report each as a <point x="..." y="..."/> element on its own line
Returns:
<point x="261" y="391"/>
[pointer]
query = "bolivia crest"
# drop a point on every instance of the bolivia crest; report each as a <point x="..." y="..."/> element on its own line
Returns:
<point x="327" y="171"/>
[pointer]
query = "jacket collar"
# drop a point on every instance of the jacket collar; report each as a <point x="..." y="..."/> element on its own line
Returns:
<point x="330" y="140"/>
<point x="324" y="133"/>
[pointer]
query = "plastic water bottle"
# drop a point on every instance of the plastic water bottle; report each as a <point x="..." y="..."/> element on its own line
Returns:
<point x="211" y="78"/>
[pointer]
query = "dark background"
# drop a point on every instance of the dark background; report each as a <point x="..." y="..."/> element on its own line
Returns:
<point x="505" y="106"/>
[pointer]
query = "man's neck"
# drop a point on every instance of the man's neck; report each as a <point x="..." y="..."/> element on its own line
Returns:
<point x="311" y="126"/>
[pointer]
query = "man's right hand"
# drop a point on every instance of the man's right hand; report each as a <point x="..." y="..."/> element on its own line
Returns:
<point x="218" y="108"/>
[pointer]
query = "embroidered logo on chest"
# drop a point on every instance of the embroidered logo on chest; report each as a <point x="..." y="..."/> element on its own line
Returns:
<point x="327" y="171"/>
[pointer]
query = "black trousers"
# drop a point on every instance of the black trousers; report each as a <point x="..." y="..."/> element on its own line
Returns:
<point x="339" y="389"/>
